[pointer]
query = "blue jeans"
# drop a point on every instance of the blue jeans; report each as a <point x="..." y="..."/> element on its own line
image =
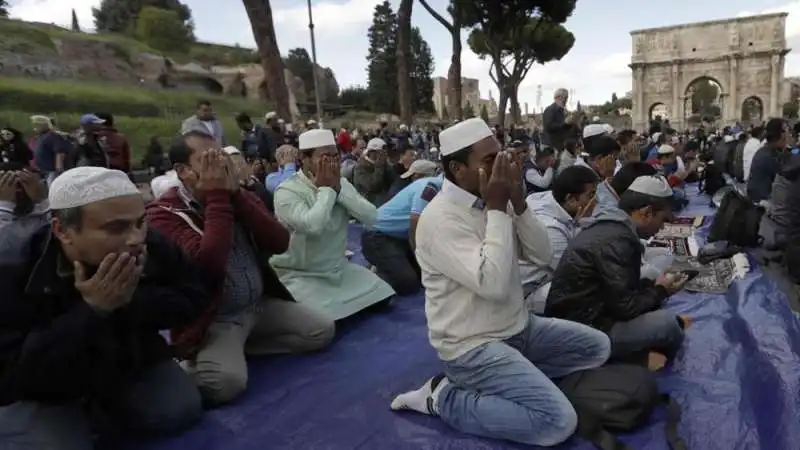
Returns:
<point x="163" y="399"/>
<point x="502" y="389"/>
<point x="654" y="331"/>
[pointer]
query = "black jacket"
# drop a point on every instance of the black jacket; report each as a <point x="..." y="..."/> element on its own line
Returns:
<point x="54" y="348"/>
<point x="597" y="282"/>
<point x="555" y="126"/>
<point x="765" y="166"/>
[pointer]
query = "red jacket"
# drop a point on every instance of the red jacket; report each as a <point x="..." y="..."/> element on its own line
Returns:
<point x="210" y="244"/>
<point x="117" y="148"/>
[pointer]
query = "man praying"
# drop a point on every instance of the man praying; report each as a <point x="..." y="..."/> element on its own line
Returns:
<point x="498" y="358"/>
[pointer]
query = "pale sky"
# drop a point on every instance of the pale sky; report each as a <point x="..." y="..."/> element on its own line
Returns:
<point x="596" y="66"/>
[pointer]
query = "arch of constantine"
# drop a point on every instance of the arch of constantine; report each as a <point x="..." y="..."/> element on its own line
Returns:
<point x="743" y="56"/>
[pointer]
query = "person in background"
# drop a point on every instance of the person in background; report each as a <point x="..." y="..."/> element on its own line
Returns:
<point x="255" y="141"/>
<point x="275" y="133"/>
<point x="287" y="157"/>
<point x="752" y="145"/>
<point x="629" y="148"/>
<point x="344" y="141"/>
<point x="115" y="144"/>
<point x="243" y="172"/>
<point x="498" y="359"/>
<point x="554" y="121"/>
<point x="389" y="244"/>
<point x="350" y="160"/>
<point x="598" y="280"/>
<point x="570" y="155"/>
<point x="316" y="205"/>
<point x="13" y="148"/>
<point x="370" y="175"/>
<point x="602" y="155"/>
<point x="83" y="301"/>
<point x="51" y="151"/>
<point x="228" y="232"/>
<point x="155" y="160"/>
<point x="559" y="210"/>
<point x="420" y="168"/>
<point x="23" y="203"/>
<point x="538" y="170"/>
<point x="767" y="161"/>
<point x="205" y="121"/>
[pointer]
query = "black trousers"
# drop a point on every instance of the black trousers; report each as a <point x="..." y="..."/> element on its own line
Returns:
<point x="394" y="260"/>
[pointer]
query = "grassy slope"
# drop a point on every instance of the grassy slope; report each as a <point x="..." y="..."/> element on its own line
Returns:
<point x="140" y="113"/>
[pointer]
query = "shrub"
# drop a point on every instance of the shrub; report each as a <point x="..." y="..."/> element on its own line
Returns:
<point x="163" y="30"/>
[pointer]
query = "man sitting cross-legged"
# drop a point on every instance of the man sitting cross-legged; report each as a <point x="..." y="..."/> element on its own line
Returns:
<point x="598" y="281"/>
<point x="229" y="233"/>
<point x="559" y="211"/>
<point x="389" y="244"/>
<point x="82" y="304"/>
<point x="498" y="358"/>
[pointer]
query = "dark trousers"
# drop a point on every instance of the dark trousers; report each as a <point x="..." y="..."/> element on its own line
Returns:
<point x="394" y="260"/>
<point x="163" y="399"/>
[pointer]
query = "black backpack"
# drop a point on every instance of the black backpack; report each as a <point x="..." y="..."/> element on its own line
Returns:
<point x="711" y="179"/>
<point x="737" y="221"/>
<point x="617" y="397"/>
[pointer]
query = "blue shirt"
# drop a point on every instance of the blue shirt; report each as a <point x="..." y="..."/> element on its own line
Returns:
<point x="48" y="145"/>
<point x="394" y="215"/>
<point x="276" y="178"/>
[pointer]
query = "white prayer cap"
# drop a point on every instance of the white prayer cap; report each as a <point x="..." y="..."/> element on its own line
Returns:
<point x="231" y="150"/>
<point x="666" y="150"/>
<point x="727" y="138"/>
<point x="161" y="184"/>
<point x="270" y="115"/>
<point x="312" y="139"/>
<point x="596" y="119"/>
<point x="654" y="185"/>
<point x="420" y="167"/>
<point x="596" y="129"/>
<point x="462" y="135"/>
<point x="376" y="144"/>
<point x="84" y="185"/>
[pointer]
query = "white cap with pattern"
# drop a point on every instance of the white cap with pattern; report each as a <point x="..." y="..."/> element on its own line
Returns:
<point x="85" y="185"/>
<point x="312" y="139"/>
<point x="462" y="135"/>
<point x="654" y="185"/>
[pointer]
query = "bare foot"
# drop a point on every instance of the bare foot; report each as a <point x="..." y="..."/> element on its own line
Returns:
<point x="656" y="361"/>
<point x="686" y="321"/>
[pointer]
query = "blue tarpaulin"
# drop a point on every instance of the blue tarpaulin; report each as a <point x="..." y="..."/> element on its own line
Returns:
<point x="737" y="379"/>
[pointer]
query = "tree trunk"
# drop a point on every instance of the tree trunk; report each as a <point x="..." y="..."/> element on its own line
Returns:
<point x="404" y="87"/>
<point x="501" y="80"/>
<point x="454" y="77"/>
<point x="513" y="97"/>
<point x="260" y="14"/>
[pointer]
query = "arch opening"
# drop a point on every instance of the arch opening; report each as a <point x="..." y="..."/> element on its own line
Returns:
<point x="703" y="100"/>
<point x="752" y="110"/>
<point x="658" y="111"/>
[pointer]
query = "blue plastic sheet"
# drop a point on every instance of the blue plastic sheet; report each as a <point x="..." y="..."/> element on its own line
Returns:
<point x="737" y="379"/>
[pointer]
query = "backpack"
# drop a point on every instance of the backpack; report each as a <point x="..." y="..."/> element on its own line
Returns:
<point x="711" y="179"/>
<point x="737" y="221"/>
<point x="737" y="166"/>
<point x="617" y="397"/>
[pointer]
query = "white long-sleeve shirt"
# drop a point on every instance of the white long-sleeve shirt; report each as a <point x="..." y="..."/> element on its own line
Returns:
<point x="750" y="148"/>
<point x="468" y="257"/>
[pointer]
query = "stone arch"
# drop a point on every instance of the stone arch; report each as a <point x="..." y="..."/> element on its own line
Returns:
<point x="211" y="85"/>
<point x="752" y="109"/>
<point x="658" y="109"/>
<point x="696" y="113"/>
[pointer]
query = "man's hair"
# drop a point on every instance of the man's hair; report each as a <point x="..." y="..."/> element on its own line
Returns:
<point x="628" y="173"/>
<point x="203" y="102"/>
<point x="243" y="118"/>
<point x="570" y="145"/>
<point x="573" y="181"/>
<point x="179" y="151"/>
<point x="286" y="151"/>
<point x="774" y="129"/>
<point x="70" y="217"/>
<point x="600" y="146"/>
<point x="624" y="137"/>
<point x="561" y="92"/>
<point x="758" y="132"/>
<point x="459" y="156"/>
<point x="107" y="118"/>
<point x="544" y="153"/>
<point x="630" y="201"/>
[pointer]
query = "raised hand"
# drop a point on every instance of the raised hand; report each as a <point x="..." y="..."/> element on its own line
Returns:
<point x="112" y="286"/>
<point x="8" y="187"/>
<point x="33" y="185"/>
<point x="496" y="190"/>
<point x="212" y="175"/>
<point x="328" y="173"/>
<point x="517" y="195"/>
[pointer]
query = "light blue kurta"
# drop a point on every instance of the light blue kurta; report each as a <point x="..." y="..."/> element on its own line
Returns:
<point x="315" y="268"/>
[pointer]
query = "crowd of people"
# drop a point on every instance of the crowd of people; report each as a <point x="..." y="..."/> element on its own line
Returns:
<point x="528" y="246"/>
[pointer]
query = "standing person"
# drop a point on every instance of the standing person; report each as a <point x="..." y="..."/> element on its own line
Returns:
<point x="767" y="161"/>
<point x="498" y="359"/>
<point x="83" y="300"/>
<point x="13" y="148"/>
<point x="554" y="121"/>
<point x="115" y="144"/>
<point x="205" y="121"/>
<point x="51" y="151"/>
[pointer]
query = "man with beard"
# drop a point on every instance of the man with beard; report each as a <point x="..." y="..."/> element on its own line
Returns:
<point x="205" y="121"/>
<point x="83" y="302"/>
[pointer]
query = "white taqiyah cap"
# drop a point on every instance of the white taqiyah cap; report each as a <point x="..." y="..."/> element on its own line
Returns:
<point x="595" y="129"/>
<point x="312" y="139"/>
<point x="666" y="150"/>
<point x="462" y="135"/>
<point x="161" y="184"/>
<point x="654" y="185"/>
<point x="231" y="150"/>
<point x="376" y="144"/>
<point x="85" y="185"/>
<point x="270" y="115"/>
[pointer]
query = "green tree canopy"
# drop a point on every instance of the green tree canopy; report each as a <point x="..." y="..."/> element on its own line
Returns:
<point x="704" y="95"/>
<point x="357" y="97"/>
<point x="484" y="113"/>
<point x="514" y="35"/>
<point x="422" y="67"/>
<point x="75" y="25"/>
<point x="382" y="60"/>
<point x="4" y="8"/>
<point x="299" y="63"/>
<point x="163" y="30"/>
<point x="468" y="111"/>
<point x="122" y="16"/>
<point x="791" y="110"/>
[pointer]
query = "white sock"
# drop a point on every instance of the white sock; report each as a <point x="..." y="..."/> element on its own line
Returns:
<point x="422" y="400"/>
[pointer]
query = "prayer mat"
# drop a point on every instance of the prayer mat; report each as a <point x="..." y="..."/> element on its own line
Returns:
<point x="675" y="230"/>
<point x="714" y="278"/>
<point x="678" y="246"/>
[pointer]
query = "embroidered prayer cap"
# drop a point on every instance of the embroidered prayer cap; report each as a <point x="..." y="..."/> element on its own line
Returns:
<point x="666" y="150"/>
<point x="654" y="185"/>
<point x="312" y="139"/>
<point x="270" y="115"/>
<point x="231" y="150"/>
<point x="376" y="144"/>
<point x="462" y="135"/>
<point x="597" y="129"/>
<point x="85" y="185"/>
<point x="420" y="167"/>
